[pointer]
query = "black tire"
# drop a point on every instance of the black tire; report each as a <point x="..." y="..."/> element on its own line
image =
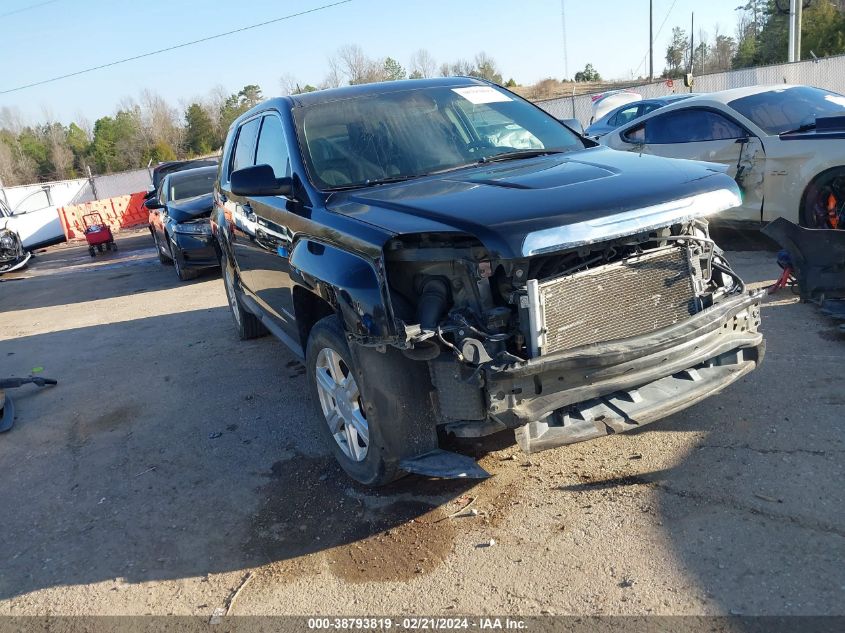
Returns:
<point x="100" y="248"/>
<point x="246" y="322"/>
<point x="184" y="274"/>
<point x="164" y="259"/>
<point x="91" y="251"/>
<point x="379" y="466"/>
<point x="814" y="213"/>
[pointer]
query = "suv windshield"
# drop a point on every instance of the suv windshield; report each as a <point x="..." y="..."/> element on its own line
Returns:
<point x="400" y="135"/>
<point x="787" y="109"/>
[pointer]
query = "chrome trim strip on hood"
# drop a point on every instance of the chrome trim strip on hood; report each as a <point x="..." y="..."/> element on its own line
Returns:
<point x="629" y="222"/>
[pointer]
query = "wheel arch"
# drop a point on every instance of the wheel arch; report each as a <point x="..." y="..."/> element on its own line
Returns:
<point x="328" y="277"/>
<point x="811" y="184"/>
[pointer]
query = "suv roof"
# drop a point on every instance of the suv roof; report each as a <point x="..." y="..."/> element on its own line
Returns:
<point x="350" y="92"/>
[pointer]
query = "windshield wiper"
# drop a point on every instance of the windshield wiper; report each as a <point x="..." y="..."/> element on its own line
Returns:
<point x="801" y="128"/>
<point x="373" y="183"/>
<point x="388" y="180"/>
<point x="520" y="153"/>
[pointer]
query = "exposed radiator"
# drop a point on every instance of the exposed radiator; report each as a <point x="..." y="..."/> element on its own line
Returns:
<point x="615" y="301"/>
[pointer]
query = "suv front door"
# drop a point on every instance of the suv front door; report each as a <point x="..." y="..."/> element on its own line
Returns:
<point x="260" y="231"/>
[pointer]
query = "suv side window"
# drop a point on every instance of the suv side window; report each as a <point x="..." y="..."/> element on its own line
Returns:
<point x="272" y="147"/>
<point x="244" y="153"/>
<point x="685" y="126"/>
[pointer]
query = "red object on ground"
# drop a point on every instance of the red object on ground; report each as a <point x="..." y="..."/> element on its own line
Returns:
<point x="96" y="231"/>
<point x="786" y="277"/>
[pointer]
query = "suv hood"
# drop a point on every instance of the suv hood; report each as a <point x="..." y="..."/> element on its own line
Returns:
<point x="529" y="206"/>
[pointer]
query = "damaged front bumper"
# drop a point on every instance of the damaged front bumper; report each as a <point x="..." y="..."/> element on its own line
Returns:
<point x="602" y="388"/>
<point x="11" y="265"/>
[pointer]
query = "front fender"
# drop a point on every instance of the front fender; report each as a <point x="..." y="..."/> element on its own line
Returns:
<point x="354" y="286"/>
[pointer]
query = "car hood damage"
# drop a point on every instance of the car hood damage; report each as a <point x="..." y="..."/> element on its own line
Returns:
<point x="525" y="207"/>
<point x="191" y="208"/>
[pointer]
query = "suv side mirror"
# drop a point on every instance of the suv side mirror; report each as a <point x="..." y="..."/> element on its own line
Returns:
<point x="259" y="180"/>
<point x="574" y="125"/>
<point x="153" y="203"/>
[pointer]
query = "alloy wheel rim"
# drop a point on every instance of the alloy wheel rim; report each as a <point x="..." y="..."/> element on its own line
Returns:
<point x="340" y="400"/>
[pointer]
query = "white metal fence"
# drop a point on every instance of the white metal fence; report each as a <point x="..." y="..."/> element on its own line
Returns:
<point x="828" y="73"/>
<point x="67" y="192"/>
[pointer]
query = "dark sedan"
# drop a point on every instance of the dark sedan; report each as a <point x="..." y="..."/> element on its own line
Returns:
<point x="630" y="111"/>
<point x="179" y="222"/>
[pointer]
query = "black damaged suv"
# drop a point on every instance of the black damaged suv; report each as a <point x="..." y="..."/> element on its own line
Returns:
<point x="444" y="254"/>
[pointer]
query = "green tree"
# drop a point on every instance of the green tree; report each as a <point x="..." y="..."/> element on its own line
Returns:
<point x="33" y="146"/>
<point x="676" y="53"/>
<point x="393" y="70"/>
<point x="199" y="130"/>
<point x="486" y="68"/>
<point x="588" y="74"/>
<point x="118" y="142"/>
<point x="250" y="96"/>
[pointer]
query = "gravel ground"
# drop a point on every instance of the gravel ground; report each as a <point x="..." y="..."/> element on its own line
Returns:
<point x="173" y="462"/>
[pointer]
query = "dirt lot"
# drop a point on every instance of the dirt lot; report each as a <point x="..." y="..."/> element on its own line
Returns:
<point x="172" y="462"/>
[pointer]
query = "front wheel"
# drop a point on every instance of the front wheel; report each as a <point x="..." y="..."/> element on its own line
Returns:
<point x="184" y="274"/>
<point x="164" y="259"/>
<point x="348" y="425"/>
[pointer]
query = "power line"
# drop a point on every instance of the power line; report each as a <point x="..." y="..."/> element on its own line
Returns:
<point x="656" y="35"/>
<point x="27" y="8"/>
<point x="173" y="48"/>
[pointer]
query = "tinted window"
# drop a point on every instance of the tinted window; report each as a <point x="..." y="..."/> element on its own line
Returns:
<point x="272" y="148"/>
<point x="244" y="153"/>
<point x="625" y="115"/>
<point x="404" y="134"/>
<point x="181" y="188"/>
<point x="685" y="126"/>
<point x="785" y="109"/>
<point x="162" y="191"/>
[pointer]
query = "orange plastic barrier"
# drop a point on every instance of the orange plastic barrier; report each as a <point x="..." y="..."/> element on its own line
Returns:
<point x="119" y="213"/>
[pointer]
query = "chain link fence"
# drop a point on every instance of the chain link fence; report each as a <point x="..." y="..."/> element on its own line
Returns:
<point x="827" y="73"/>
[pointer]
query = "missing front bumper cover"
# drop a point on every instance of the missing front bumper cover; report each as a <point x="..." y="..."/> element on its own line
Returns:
<point x="579" y="394"/>
<point x="625" y="410"/>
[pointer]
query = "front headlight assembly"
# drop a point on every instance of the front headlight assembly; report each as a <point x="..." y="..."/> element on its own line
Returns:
<point x="199" y="227"/>
<point x="8" y="241"/>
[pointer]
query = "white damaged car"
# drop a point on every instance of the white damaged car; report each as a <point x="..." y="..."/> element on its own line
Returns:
<point x="784" y="145"/>
<point x="33" y="223"/>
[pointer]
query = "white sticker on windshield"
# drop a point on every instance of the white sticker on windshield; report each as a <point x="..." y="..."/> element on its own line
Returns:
<point x="482" y="94"/>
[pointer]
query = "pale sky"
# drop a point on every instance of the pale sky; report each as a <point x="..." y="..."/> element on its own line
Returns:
<point x="525" y="38"/>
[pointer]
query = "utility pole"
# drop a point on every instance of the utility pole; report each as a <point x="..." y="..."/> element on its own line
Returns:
<point x="651" y="40"/>
<point x="795" y="9"/>
<point x="563" y="24"/>
<point x="692" y="42"/>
